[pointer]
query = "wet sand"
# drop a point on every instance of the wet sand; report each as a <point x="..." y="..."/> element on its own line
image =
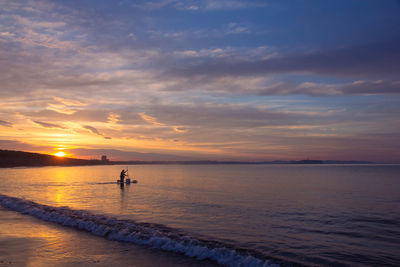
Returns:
<point x="26" y="241"/>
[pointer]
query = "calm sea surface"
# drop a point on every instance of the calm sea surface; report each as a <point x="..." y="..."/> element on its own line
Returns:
<point x="308" y="214"/>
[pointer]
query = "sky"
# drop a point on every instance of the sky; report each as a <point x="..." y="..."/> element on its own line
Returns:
<point x="206" y="79"/>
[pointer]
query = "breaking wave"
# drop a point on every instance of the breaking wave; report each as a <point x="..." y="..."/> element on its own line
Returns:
<point x="154" y="235"/>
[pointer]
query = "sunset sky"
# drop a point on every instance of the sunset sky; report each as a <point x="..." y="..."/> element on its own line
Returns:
<point x="206" y="79"/>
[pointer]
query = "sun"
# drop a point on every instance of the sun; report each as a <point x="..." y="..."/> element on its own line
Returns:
<point x="60" y="154"/>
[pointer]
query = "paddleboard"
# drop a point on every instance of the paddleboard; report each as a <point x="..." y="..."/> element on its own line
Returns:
<point x="126" y="182"/>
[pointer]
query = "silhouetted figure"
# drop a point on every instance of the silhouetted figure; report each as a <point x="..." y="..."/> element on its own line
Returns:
<point x="122" y="176"/>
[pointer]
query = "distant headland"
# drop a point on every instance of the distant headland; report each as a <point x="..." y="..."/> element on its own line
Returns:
<point x="11" y="158"/>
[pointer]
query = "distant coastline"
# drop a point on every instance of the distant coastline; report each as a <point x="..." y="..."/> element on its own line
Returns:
<point x="12" y="158"/>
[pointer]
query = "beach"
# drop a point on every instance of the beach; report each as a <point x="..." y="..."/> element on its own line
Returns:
<point x="27" y="241"/>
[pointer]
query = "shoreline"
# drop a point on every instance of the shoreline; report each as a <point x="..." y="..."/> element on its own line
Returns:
<point x="26" y="240"/>
<point x="11" y="159"/>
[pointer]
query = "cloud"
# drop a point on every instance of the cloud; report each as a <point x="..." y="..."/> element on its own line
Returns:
<point x="49" y="125"/>
<point x="92" y="129"/>
<point x="380" y="59"/>
<point x="85" y="115"/>
<point x="225" y="116"/>
<point x="204" y="53"/>
<point x="230" y="4"/>
<point x="113" y="118"/>
<point x="38" y="23"/>
<point x="234" y="28"/>
<point x="145" y="71"/>
<point x="115" y="154"/>
<point x="70" y="102"/>
<point x="196" y="5"/>
<point x="95" y="131"/>
<point x="5" y="123"/>
<point x="371" y="87"/>
<point x="149" y="119"/>
<point x="6" y="34"/>
<point x="22" y="146"/>
<point x="360" y="87"/>
<point x="180" y="129"/>
<point x="35" y="32"/>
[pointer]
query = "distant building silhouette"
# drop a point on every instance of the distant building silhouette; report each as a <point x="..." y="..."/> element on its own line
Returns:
<point x="104" y="158"/>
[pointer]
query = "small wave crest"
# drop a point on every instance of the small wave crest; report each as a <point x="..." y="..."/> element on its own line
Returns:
<point x="156" y="236"/>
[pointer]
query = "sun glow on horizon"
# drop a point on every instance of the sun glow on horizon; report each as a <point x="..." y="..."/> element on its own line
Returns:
<point x="60" y="154"/>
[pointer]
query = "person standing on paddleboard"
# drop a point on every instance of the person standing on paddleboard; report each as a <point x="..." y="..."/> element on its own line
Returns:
<point x="122" y="176"/>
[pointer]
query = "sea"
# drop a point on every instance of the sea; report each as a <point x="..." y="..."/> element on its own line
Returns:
<point x="201" y="215"/>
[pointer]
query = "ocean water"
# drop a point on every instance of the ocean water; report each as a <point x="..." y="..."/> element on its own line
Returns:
<point x="188" y="215"/>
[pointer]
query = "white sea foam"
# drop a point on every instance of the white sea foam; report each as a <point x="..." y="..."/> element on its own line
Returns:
<point x="156" y="236"/>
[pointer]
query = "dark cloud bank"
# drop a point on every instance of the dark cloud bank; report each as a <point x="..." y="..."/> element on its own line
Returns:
<point x="379" y="60"/>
